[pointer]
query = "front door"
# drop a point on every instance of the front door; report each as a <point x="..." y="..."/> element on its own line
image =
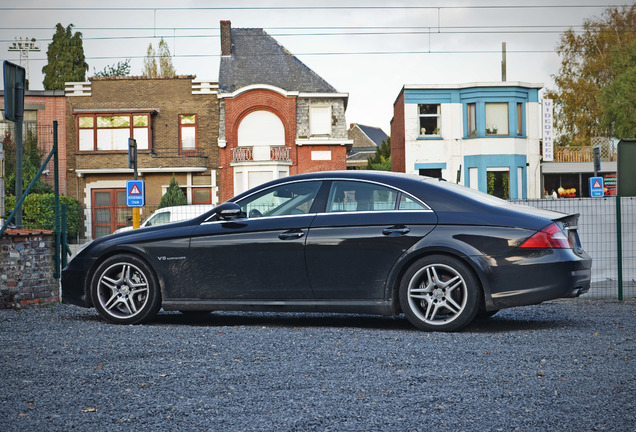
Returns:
<point x="260" y="255"/>
<point x="109" y="211"/>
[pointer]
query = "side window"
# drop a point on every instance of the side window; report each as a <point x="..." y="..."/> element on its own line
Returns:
<point x="348" y="196"/>
<point x="282" y="200"/>
<point x="159" y="219"/>
<point x="408" y="203"/>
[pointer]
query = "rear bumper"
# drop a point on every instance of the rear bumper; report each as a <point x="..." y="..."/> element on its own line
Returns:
<point x="538" y="277"/>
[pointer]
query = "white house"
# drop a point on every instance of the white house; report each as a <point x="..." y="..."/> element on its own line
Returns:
<point x="482" y="135"/>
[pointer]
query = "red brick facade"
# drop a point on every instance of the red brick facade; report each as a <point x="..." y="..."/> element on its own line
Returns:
<point x="285" y="108"/>
<point x="54" y="110"/>
<point x="398" y="155"/>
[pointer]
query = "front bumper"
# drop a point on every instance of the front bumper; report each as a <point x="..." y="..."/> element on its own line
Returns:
<point x="73" y="282"/>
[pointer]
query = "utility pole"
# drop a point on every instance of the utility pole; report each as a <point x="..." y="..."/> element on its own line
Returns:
<point x="24" y="46"/>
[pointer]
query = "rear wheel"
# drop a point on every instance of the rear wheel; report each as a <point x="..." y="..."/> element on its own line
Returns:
<point x="439" y="293"/>
<point x="125" y="290"/>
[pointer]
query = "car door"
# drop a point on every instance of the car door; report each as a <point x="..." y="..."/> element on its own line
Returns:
<point x="354" y="244"/>
<point x="259" y="255"/>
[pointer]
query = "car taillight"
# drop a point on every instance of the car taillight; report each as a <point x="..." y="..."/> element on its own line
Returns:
<point x="550" y="237"/>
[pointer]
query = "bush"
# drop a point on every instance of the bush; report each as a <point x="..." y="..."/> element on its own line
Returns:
<point x="173" y="196"/>
<point x="39" y="212"/>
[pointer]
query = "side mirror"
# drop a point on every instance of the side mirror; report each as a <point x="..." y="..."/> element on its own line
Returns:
<point x="228" y="210"/>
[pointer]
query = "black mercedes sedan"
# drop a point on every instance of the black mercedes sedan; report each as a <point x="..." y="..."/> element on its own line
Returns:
<point x="345" y="242"/>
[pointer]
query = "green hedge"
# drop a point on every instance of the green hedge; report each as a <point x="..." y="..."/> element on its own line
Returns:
<point x="39" y="212"/>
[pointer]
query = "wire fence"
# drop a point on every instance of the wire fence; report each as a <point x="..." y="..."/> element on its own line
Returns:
<point x="598" y="230"/>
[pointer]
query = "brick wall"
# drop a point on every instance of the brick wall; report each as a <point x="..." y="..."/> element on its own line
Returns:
<point x="235" y="110"/>
<point x="27" y="268"/>
<point x="166" y="98"/>
<point x="306" y="164"/>
<point x="398" y="155"/>
<point x="55" y="110"/>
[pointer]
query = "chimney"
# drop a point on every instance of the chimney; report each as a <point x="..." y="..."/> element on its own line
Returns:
<point x="226" y="38"/>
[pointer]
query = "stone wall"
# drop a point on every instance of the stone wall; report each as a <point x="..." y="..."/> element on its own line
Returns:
<point x="27" y="268"/>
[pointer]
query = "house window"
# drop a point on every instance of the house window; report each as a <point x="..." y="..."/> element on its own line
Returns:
<point x="201" y="196"/>
<point x="472" y="119"/>
<point x="201" y="190"/>
<point x="431" y="172"/>
<point x="497" y="118"/>
<point x="430" y="119"/>
<point x="187" y="134"/>
<point x="519" y="119"/>
<point x="498" y="182"/>
<point x="98" y="132"/>
<point x="320" y="121"/>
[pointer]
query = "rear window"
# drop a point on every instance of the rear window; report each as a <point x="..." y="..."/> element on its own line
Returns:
<point x="471" y="193"/>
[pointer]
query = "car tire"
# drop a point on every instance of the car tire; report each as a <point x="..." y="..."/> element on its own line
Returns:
<point x="439" y="293"/>
<point x="125" y="290"/>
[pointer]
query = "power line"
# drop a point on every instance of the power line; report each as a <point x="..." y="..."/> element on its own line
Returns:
<point x="352" y="53"/>
<point x="261" y="8"/>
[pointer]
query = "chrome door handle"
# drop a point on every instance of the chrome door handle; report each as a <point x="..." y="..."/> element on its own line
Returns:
<point x="291" y="235"/>
<point x="396" y="230"/>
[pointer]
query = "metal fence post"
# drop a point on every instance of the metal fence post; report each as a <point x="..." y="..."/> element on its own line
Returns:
<point x="57" y="201"/>
<point x="619" y="246"/>
<point x="64" y="231"/>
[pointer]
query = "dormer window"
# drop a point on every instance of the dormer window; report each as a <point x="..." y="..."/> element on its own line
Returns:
<point x="320" y="121"/>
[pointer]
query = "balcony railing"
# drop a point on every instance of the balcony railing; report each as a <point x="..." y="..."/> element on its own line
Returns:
<point x="279" y="153"/>
<point x="242" y="154"/>
<point x="245" y="154"/>
<point x="582" y="154"/>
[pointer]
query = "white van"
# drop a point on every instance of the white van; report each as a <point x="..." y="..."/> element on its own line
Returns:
<point x="171" y="214"/>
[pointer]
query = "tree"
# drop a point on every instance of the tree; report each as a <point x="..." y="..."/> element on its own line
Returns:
<point x="150" y="63"/>
<point x="585" y="71"/>
<point x="165" y="60"/>
<point x="120" y="69"/>
<point x="173" y="196"/>
<point x="158" y="63"/>
<point x="618" y="99"/>
<point x="66" y="60"/>
<point x="381" y="161"/>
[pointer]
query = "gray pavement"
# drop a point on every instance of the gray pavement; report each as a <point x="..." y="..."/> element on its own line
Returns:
<point x="560" y="366"/>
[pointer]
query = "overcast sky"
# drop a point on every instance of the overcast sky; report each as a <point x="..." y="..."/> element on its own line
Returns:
<point x="368" y="49"/>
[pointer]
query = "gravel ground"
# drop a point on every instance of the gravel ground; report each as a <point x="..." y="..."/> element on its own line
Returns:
<point x="560" y="366"/>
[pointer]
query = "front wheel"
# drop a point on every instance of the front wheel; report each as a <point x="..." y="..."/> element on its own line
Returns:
<point x="439" y="293"/>
<point x="125" y="290"/>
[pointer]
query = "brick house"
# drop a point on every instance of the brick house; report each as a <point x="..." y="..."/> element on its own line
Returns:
<point x="277" y="116"/>
<point x="41" y="109"/>
<point x="175" y="123"/>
